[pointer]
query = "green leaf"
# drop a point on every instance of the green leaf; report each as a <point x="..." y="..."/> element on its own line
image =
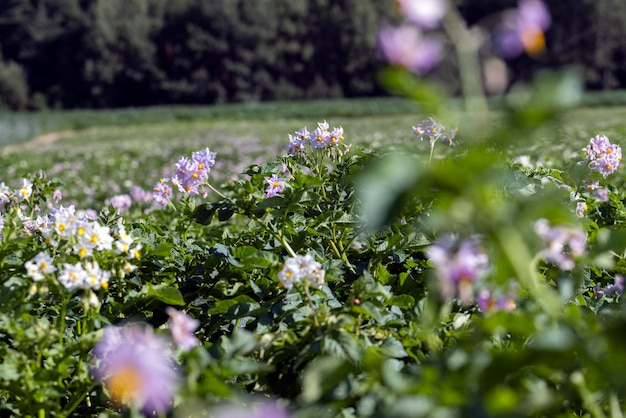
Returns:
<point x="252" y="257"/>
<point x="383" y="186"/>
<point x="402" y="301"/>
<point x="402" y="82"/>
<point x="166" y="294"/>
<point x="225" y="213"/>
<point x="322" y="375"/>
<point x="227" y="305"/>
<point x="393" y="348"/>
<point x="204" y="213"/>
<point x="164" y="249"/>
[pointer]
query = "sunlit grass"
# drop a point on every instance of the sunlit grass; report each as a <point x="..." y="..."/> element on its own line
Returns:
<point x="108" y="152"/>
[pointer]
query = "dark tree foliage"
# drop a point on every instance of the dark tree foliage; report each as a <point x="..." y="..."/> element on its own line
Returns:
<point x="112" y="53"/>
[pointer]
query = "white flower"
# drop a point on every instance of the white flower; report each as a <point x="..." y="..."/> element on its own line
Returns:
<point x="38" y="266"/>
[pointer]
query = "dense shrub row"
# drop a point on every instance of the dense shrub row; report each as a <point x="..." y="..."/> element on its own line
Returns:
<point x="109" y="53"/>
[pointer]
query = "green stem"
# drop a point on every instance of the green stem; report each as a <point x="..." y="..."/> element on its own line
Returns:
<point x="616" y="411"/>
<point x="432" y="151"/>
<point x="340" y="254"/>
<point x="578" y="380"/>
<point x="61" y="325"/>
<point x="68" y="411"/>
<point x="217" y="192"/>
<point x="466" y="47"/>
<point x="524" y="266"/>
<point x="309" y="300"/>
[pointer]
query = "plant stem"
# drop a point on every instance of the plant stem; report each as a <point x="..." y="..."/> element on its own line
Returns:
<point x="217" y="192"/>
<point x="524" y="266"/>
<point x="466" y="47"/>
<point x="578" y="380"/>
<point x="68" y="411"/>
<point x="340" y="254"/>
<point x="308" y="298"/>
<point x="432" y="150"/>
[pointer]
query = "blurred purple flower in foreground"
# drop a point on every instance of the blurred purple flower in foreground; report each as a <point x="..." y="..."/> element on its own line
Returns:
<point x="563" y="244"/>
<point x="408" y="47"/>
<point x="523" y="29"/>
<point x="137" y="368"/>
<point x="182" y="327"/>
<point x="489" y="300"/>
<point x="458" y="266"/>
<point x="424" y="13"/>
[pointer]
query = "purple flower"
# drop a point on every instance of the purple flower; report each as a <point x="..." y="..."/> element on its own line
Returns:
<point x="458" y="266"/>
<point x="498" y="300"/>
<point x="298" y="141"/>
<point x="121" y="202"/>
<point x="140" y="195"/>
<point x="284" y="172"/>
<point x="424" y="13"/>
<point x="428" y="128"/>
<point x="562" y="244"/>
<point x="335" y="136"/>
<point x="205" y="159"/>
<point x="57" y="195"/>
<point x="408" y="47"/>
<point x="162" y="192"/>
<point x="523" y="29"/>
<point x="275" y="186"/>
<point x="320" y="138"/>
<point x="581" y="207"/>
<point x="137" y="368"/>
<point x="431" y="129"/>
<point x="616" y="288"/>
<point x="182" y="327"/>
<point x="602" y="156"/>
<point x="602" y="195"/>
<point x="190" y="174"/>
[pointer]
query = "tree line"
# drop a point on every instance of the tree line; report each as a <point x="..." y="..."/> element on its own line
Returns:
<point x="116" y="53"/>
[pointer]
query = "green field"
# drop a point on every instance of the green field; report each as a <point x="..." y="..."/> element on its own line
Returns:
<point x="106" y="152"/>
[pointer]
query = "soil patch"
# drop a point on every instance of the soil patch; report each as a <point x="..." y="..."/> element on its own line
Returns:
<point x="38" y="141"/>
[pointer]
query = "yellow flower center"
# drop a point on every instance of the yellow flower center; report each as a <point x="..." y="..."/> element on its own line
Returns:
<point x="534" y="40"/>
<point x="124" y="385"/>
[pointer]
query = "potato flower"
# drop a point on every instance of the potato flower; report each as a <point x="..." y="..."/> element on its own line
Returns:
<point x="137" y="368"/>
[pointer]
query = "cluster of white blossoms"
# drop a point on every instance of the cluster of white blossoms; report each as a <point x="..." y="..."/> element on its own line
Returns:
<point x="80" y="236"/>
<point x="301" y="268"/>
